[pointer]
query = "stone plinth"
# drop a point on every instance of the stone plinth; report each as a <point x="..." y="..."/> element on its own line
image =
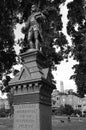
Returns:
<point x="32" y="93"/>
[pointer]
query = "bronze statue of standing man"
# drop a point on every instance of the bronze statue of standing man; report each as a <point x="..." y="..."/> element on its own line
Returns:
<point x="33" y="28"/>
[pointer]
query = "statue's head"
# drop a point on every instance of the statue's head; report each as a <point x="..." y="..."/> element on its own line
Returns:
<point x="33" y="8"/>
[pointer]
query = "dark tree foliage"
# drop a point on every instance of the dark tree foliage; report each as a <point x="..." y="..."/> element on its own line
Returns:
<point x="5" y="87"/>
<point x="77" y="30"/>
<point x="8" y="20"/>
<point x="9" y="17"/>
<point x="67" y="110"/>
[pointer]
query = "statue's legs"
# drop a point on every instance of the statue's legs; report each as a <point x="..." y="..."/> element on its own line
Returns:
<point x="30" y="39"/>
<point x="36" y="34"/>
<point x="37" y="43"/>
<point x="31" y="44"/>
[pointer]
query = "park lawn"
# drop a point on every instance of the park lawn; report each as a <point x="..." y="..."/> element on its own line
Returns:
<point x="71" y="126"/>
<point x="75" y="124"/>
<point x="6" y="124"/>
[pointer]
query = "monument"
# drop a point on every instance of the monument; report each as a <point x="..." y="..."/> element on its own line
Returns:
<point x="32" y="90"/>
<point x="33" y="29"/>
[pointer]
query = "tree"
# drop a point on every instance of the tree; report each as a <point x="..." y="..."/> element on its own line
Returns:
<point x="5" y="88"/>
<point x="67" y="109"/>
<point x="17" y="11"/>
<point x="76" y="111"/>
<point x="7" y="21"/>
<point x="76" y="28"/>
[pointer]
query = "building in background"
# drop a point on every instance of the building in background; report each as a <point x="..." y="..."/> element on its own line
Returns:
<point x="62" y="86"/>
<point x="70" y="98"/>
<point x="84" y="105"/>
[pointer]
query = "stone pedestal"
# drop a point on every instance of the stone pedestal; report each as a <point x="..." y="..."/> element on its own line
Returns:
<point x="32" y="93"/>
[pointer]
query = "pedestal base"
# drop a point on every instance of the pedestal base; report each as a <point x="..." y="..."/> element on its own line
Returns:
<point x="32" y="117"/>
<point x="32" y="93"/>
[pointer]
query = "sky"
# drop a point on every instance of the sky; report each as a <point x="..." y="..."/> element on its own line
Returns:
<point x="64" y="70"/>
<point x="63" y="73"/>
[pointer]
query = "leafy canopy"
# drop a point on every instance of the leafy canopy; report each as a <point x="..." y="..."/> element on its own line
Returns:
<point x="10" y="10"/>
<point x="7" y="22"/>
<point x="76" y="28"/>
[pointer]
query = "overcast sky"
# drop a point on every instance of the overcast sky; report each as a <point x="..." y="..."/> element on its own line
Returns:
<point x="64" y="70"/>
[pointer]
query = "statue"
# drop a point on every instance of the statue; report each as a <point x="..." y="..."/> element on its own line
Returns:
<point x="33" y="29"/>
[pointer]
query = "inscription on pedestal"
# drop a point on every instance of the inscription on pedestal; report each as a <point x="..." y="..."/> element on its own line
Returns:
<point x="26" y="117"/>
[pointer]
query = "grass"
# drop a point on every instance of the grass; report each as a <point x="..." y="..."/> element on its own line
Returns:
<point x="74" y="124"/>
<point x="57" y="124"/>
<point x="6" y="124"/>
